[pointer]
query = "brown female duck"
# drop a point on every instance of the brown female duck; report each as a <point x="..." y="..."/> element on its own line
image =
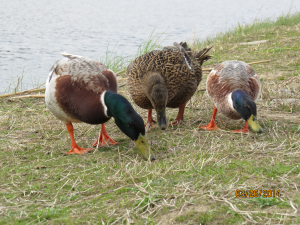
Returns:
<point x="165" y="78"/>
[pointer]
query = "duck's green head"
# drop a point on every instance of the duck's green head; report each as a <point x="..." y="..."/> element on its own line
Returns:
<point x="246" y="107"/>
<point x="129" y="121"/>
<point x="157" y="93"/>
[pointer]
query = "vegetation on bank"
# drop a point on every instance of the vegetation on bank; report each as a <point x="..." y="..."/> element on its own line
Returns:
<point x="196" y="174"/>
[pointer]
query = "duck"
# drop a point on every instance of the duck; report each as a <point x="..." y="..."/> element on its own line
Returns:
<point x="233" y="86"/>
<point x="81" y="90"/>
<point x="165" y="78"/>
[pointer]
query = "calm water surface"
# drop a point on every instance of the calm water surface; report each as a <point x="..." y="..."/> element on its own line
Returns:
<point x="33" y="33"/>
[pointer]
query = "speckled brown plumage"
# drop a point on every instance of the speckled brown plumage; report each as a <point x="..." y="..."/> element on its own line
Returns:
<point x="227" y="77"/>
<point x="180" y="71"/>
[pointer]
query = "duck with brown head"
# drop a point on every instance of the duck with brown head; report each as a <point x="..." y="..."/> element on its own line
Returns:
<point x="165" y="78"/>
<point x="157" y="93"/>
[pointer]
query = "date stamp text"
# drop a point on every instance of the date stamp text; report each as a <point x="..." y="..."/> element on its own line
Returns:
<point x="257" y="193"/>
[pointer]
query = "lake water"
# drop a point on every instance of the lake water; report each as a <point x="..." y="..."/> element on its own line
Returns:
<point x="33" y="33"/>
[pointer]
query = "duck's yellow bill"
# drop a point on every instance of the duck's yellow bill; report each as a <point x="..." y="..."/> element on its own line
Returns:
<point x="252" y="121"/>
<point x="144" y="147"/>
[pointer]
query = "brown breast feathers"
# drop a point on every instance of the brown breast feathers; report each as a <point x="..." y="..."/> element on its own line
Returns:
<point x="78" y="93"/>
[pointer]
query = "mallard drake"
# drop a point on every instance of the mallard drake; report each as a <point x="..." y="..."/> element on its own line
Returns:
<point x="165" y="78"/>
<point x="233" y="86"/>
<point x="79" y="89"/>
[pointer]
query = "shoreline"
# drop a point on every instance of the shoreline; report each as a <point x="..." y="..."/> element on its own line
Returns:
<point x="117" y="62"/>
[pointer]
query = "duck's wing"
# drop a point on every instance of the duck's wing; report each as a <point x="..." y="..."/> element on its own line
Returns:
<point x="240" y="75"/>
<point x="161" y="61"/>
<point x="81" y="66"/>
<point x="52" y="71"/>
<point x="185" y="55"/>
<point x="85" y="73"/>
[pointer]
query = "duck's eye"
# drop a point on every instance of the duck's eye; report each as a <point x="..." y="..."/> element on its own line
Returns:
<point x="130" y="125"/>
<point x="246" y="106"/>
<point x="143" y="142"/>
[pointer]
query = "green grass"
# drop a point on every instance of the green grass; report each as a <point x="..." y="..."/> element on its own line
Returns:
<point x="153" y="42"/>
<point x="269" y="201"/>
<point x="116" y="62"/>
<point x="196" y="218"/>
<point x="196" y="174"/>
<point x="244" y="33"/>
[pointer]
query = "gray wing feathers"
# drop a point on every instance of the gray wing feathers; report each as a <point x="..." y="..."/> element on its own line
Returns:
<point x="53" y="69"/>
<point x="234" y="72"/>
<point x="185" y="55"/>
<point x="76" y="65"/>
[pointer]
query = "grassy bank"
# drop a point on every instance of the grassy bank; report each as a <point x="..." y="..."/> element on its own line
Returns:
<point x="196" y="174"/>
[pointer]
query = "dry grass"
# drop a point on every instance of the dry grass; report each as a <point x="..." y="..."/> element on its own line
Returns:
<point x="196" y="174"/>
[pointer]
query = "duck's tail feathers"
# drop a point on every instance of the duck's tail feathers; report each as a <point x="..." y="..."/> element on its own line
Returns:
<point x="201" y="56"/>
<point x="70" y="56"/>
<point x="183" y="47"/>
<point x="180" y="48"/>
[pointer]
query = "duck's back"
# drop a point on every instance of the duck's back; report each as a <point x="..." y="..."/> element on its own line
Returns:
<point x="179" y="76"/>
<point x="74" y="87"/>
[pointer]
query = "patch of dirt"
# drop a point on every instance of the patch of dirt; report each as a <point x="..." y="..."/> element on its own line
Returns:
<point x="271" y="76"/>
<point x="286" y="101"/>
<point x="169" y="218"/>
<point x="271" y="115"/>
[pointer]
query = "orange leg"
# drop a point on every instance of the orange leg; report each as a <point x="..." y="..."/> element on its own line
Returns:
<point x="212" y="125"/>
<point x="179" y="117"/>
<point x="75" y="148"/>
<point x="104" y="138"/>
<point x="245" y="130"/>
<point x="150" y="121"/>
